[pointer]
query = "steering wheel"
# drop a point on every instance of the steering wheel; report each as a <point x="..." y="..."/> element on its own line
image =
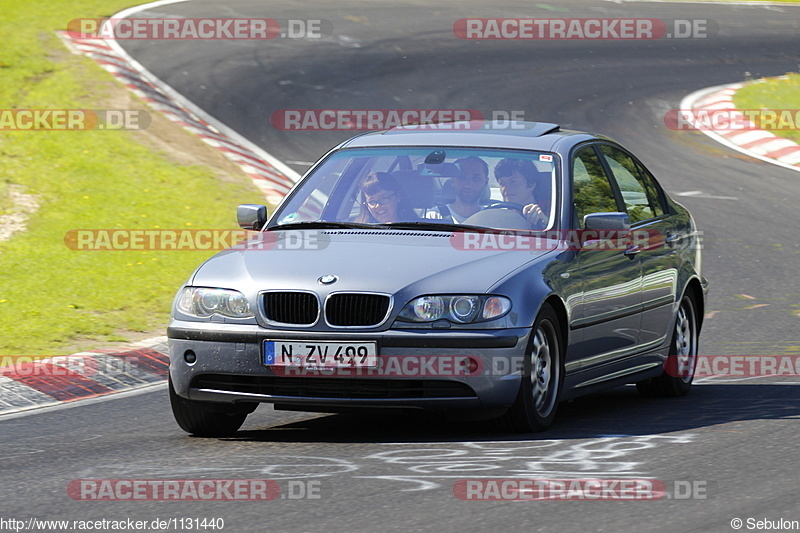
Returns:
<point x="506" y="205"/>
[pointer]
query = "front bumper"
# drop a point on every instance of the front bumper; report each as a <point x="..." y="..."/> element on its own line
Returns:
<point x="228" y="368"/>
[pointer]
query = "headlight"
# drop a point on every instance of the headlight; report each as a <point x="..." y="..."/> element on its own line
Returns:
<point x="204" y="302"/>
<point x="428" y="308"/>
<point x="461" y="309"/>
<point x="464" y="308"/>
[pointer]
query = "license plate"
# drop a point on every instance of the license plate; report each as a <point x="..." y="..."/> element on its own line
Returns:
<point x="302" y="354"/>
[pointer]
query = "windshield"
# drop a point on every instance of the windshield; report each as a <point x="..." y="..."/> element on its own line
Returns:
<point x="437" y="188"/>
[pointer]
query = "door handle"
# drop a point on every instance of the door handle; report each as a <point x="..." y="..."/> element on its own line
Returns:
<point x="631" y="252"/>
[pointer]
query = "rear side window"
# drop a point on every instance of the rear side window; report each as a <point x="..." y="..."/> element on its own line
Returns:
<point x="639" y="193"/>
<point x="591" y="190"/>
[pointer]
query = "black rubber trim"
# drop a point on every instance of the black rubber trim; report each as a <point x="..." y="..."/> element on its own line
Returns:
<point x="189" y="334"/>
<point x="430" y="341"/>
<point x="386" y="341"/>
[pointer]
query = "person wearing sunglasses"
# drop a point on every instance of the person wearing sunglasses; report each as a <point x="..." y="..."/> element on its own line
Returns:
<point x="383" y="201"/>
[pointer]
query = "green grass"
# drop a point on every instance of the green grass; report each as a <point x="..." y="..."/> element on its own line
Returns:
<point x="54" y="299"/>
<point x="773" y="93"/>
<point x="4" y="200"/>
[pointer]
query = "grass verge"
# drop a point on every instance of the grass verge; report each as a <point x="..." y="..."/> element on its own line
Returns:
<point x="54" y="300"/>
<point x="781" y="93"/>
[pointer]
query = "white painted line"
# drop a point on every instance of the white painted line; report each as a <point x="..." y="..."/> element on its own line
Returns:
<point x="792" y="159"/>
<point x="774" y="145"/>
<point x="749" y="136"/>
<point x="144" y="389"/>
<point x="701" y="194"/>
<point x="717" y="104"/>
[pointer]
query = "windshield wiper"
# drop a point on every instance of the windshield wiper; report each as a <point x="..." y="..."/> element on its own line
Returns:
<point x="409" y="225"/>
<point x="321" y="224"/>
<point x="443" y="226"/>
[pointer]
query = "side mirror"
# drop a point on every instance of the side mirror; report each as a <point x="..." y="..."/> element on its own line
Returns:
<point x="251" y="216"/>
<point x="602" y="229"/>
<point x="607" y="222"/>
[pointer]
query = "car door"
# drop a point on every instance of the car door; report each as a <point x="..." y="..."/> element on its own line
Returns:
<point x="653" y="229"/>
<point x="607" y="321"/>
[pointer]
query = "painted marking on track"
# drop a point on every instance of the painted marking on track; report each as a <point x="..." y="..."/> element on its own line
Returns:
<point x="425" y="466"/>
<point x="705" y="195"/>
<point x="604" y="457"/>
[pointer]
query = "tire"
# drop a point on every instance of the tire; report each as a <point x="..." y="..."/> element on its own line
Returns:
<point x="682" y="361"/>
<point x="205" y="419"/>
<point x="542" y="377"/>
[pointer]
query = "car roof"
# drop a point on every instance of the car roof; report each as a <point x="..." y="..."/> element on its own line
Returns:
<point x="518" y="135"/>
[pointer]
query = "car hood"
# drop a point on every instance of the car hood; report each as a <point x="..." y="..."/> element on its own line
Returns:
<point x="385" y="261"/>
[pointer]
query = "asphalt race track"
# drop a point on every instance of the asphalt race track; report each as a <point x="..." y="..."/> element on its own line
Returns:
<point x="728" y="450"/>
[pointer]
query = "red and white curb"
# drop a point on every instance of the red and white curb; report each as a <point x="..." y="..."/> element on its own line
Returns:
<point x="742" y="135"/>
<point x="268" y="173"/>
<point x="27" y="383"/>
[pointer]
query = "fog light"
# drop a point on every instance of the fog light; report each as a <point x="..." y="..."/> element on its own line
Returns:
<point x="190" y="357"/>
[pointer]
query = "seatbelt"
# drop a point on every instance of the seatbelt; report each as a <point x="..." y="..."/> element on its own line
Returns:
<point x="445" y="212"/>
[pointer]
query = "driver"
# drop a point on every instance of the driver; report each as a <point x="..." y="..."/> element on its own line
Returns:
<point x="517" y="179"/>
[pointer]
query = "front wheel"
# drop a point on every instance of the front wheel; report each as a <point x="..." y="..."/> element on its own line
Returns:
<point x="205" y="419"/>
<point x="542" y="377"/>
<point x="682" y="360"/>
